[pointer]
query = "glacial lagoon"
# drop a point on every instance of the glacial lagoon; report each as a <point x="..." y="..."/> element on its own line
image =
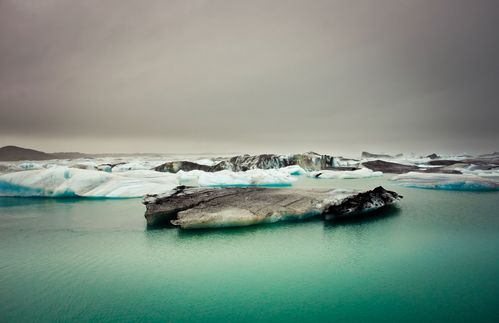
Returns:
<point x="433" y="258"/>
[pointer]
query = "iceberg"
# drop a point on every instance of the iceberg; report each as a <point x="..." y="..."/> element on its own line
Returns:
<point x="62" y="181"/>
<point x="457" y="182"/>
<point x="348" y="174"/>
<point x="73" y="182"/>
<point x="252" y="177"/>
<point x="307" y="161"/>
<point x="199" y="208"/>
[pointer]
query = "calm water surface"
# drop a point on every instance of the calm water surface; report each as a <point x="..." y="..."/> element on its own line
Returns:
<point x="435" y="258"/>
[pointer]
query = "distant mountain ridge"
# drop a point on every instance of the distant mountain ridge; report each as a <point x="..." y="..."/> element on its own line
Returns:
<point x="15" y="153"/>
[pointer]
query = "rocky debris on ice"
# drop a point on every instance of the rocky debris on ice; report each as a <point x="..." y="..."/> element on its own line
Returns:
<point x="308" y="161"/>
<point x="389" y="167"/>
<point x="361" y="203"/>
<point x="367" y="155"/>
<point x="185" y="166"/>
<point x="196" y="208"/>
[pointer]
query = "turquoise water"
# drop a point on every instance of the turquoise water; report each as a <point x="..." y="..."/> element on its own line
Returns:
<point x="435" y="258"/>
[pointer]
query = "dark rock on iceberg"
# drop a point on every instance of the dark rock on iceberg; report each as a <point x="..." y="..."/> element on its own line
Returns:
<point x="192" y="208"/>
<point x="389" y="167"/>
<point x="309" y="161"/>
<point x="443" y="162"/>
<point x="365" y="155"/>
<point x="265" y="161"/>
<point x="433" y="156"/>
<point x="186" y="166"/>
<point x="361" y="203"/>
<point x="440" y="170"/>
<point x="343" y="168"/>
<point x="312" y="161"/>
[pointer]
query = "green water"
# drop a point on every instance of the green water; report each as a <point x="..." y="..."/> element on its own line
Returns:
<point x="434" y="259"/>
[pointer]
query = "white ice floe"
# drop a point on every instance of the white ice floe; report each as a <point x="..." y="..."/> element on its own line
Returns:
<point x="479" y="181"/>
<point x="269" y="177"/>
<point x="67" y="182"/>
<point x="345" y="174"/>
<point x="294" y="170"/>
<point x="74" y="182"/>
<point x="206" y="162"/>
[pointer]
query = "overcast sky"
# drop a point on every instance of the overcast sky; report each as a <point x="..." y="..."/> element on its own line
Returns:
<point x="250" y="76"/>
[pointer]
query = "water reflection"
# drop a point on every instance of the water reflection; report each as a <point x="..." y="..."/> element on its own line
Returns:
<point x="366" y="218"/>
<point x="35" y="201"/>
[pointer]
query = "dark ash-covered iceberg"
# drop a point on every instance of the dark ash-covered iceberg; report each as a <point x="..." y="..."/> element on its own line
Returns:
<point x="308" y="161"/>
<point x="194" y="208"/>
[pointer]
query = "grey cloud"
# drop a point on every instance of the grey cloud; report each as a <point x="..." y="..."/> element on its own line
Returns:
<point x="259" y="75"/>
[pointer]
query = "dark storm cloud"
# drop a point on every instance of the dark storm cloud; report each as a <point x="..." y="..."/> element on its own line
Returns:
<point x="295" y="75"/>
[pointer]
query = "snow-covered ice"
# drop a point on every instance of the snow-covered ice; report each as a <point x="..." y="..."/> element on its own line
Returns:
<point x="205" y="162"/>
<point x="270" y="177"/>
<point x="67" y="182"/>
<point x="62" y="181"/>
<point x="478" y="181"/>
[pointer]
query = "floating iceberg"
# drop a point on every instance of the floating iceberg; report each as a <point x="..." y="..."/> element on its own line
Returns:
<point x="348" y="174"/>
<point x="458" y="182"/>
<point x="63" y="181"/>
<point x="72" y="182"/>
<point x="199" y="208"/>
<point x="252" y="177"/>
